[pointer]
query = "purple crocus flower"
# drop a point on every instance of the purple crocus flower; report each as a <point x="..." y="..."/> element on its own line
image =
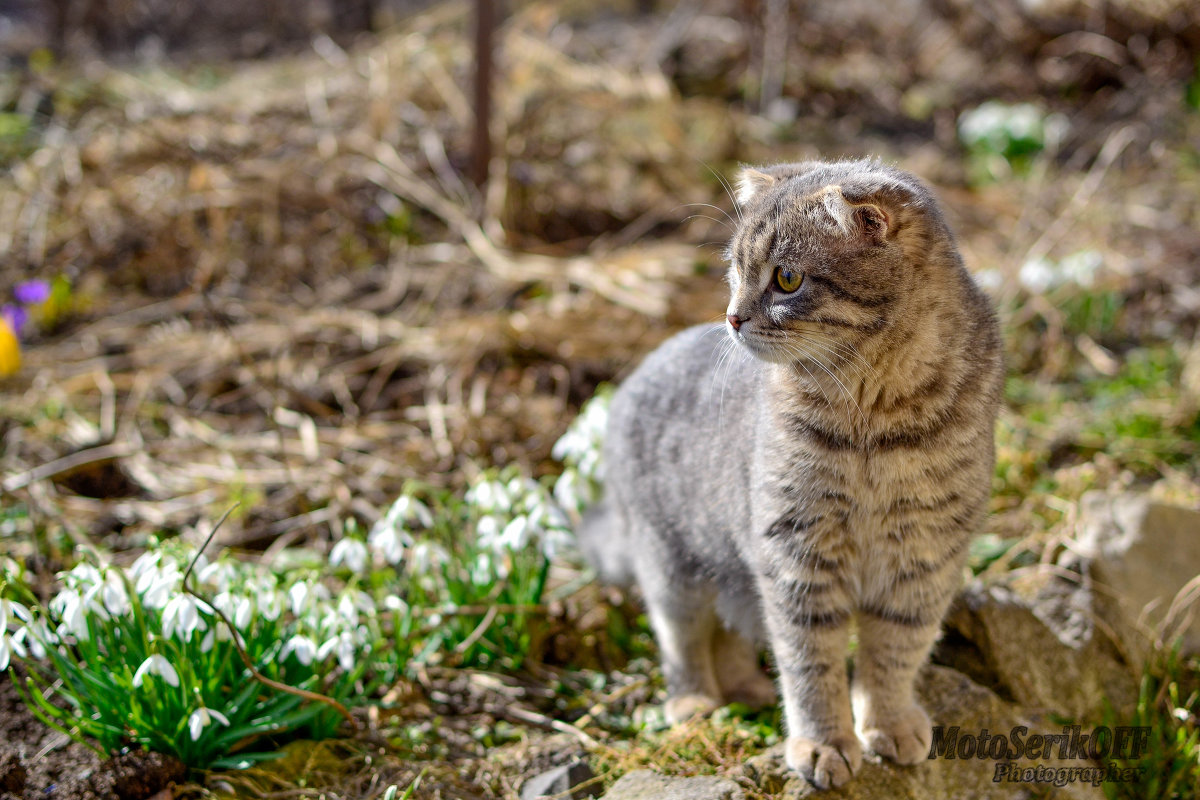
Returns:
<point x="32" y="293"/>
<point x="15" y="316"/>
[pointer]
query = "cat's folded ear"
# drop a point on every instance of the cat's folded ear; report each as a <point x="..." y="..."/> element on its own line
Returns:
<point x="877" y="208"/>
<point x="753" y="181"/>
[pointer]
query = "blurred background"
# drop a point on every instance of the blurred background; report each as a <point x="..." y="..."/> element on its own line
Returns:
<point x="267" y="266"/>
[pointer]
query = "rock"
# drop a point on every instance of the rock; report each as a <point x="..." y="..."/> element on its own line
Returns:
<point x="561" y="782"/>
<point x="1036" y="639"/>
<point x="952" y="699"/>
<point x="1143" y="552"/>
<point x="646" y="785"/>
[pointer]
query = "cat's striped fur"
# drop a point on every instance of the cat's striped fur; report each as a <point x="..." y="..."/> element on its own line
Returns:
<point x="822" y="465"/>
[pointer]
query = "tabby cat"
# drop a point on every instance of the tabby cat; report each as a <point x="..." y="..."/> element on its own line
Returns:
<point x="821" y="466"/>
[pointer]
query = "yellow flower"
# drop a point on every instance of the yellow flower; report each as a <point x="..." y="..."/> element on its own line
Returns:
<point x="10" y="350"/>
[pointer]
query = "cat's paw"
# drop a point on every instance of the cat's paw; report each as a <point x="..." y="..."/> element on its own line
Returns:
<point x="685" y="706"/>
<point x="904" y="738"/>
<point x="825" y="765"/>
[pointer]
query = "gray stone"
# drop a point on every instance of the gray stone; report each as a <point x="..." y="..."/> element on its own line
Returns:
<point x="561" y="782"/>
<point x="1142" y="553"/>
<point x="1038" y="638"/>
<point x="952" y="699"/>
<point x="646" y="785"/>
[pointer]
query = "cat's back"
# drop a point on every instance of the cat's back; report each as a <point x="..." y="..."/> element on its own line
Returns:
<point x="679" y="393"/>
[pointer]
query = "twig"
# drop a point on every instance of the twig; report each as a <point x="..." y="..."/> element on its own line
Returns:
<point x="478" y="633"/>
<point x="67" y="463"/>
<point x="541" y="720"/>
<point x="235" y="636"/>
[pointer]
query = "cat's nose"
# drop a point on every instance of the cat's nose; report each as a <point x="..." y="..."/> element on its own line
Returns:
<point x="734" y="320"/>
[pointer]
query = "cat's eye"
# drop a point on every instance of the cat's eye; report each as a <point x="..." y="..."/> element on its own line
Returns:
<point x="788" y="279"/>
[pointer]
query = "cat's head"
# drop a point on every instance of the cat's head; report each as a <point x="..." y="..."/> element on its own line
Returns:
<point x="828" y="255"/>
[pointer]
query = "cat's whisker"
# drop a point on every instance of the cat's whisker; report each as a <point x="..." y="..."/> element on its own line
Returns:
<point x="845" y="392"/>
<point x="732" y="221"/>
<point x="737" y="207"/>
<point x="845" y="358"/>
<point x="710" y="218"/>
<point x="841" y="347"/>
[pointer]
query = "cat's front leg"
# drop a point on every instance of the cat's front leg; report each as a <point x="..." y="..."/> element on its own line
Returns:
<point x="808" y="620"/>
<point x="896" y="629"/>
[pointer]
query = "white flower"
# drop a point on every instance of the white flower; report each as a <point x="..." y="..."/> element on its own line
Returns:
<point x="304" y="648"/>
<point x="13" y="608"/>
<point x="201" y="718"/>
<point x="487" y="531"/>
<point x="343" y="644"/>
<point x="270" y="604"/>
<point x="989" y="279"/>
<point x="210" y="638"/>
<point x="554" y="541"/>
<point x="1082" y="267"/>
<point x="9" y="646"/>
<point x="236" y="608"/>
<point x="35" y="636"/>
<point x="490" y="496"/>
<point x="351" y="552"/>
<point x="425" y="556"/>
<point x="389" y="542"/>
<point x="144" y="563"/>
<point x="394" y="602"/>
<point x="307" y="595"/>
<point x="69" y="607"/>
<point x="156" y="665"/>
<point x="113" y="598"/>
<point x="516" y="534"/>
<point x="157" y="585"/>
<point x="182" y="616"/>
<point x="1038" y="275"/>
<point x="220" y="574"/>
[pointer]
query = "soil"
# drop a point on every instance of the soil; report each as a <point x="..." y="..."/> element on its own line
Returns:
<point x="37" y="763"/>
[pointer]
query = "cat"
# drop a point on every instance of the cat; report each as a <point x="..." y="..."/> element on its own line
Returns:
<point x="824" y="462"/>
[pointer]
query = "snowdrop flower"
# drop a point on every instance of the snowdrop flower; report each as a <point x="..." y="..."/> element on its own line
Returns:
<point x="34" y="637"/>
<point x="516" y="534"/>
<point x="487" y="531"/>
<point x="156" y="665"/>
<point x="1038" y="275"/>
<point x="201" y="718"/>
<point x="113" y="598"/>
<point x="304" y="648"/>
<point x="219" y="574"/>
<point x="270" y="604"/>
<point x="555" y="541"/>
<point x="571" y="491"/>
<point x="490" y="496"/>
<point x="9" y="646"/>
<point x="394" y="602"/>
<point x="210" y="638"/>
<point x="236" y="608"/>
<point x="69" y="607"/>
<point x="1082" y="267"/>
<point x="425" y="556"/>
<point x="9" y="566"/>
<point x="14" y="609"/>
<point x="351" y="552"/>
<point x="182" y="616"/>
<point x="390" y="542"/>
<point x="307" y="595"/>
<point x="344" y="646"/>
<point x="158" y="585"/>
<point x="145" y="562"/>
<point x="989" y="279"/>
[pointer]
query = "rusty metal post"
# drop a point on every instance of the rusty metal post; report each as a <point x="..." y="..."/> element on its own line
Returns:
<point x="481" y="144"/>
